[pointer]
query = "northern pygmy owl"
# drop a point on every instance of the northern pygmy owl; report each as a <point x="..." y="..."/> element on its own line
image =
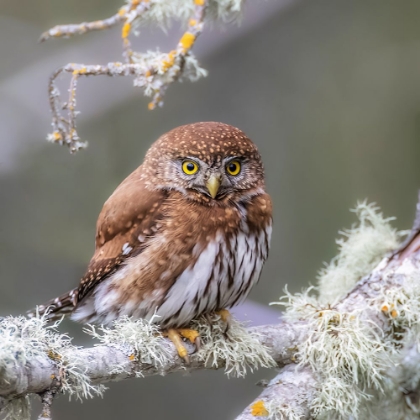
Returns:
<point x="186" y="234"/>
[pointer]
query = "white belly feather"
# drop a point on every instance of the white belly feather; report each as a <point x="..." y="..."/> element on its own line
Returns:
<point x="187" y="298"/>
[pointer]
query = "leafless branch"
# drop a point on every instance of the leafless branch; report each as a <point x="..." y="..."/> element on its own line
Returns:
<point x="153" y="72"/>
<point x="40" y="374"/>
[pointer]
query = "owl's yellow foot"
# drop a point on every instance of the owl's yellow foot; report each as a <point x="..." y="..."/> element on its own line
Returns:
<point x="224" y="315"/>
<point x="175" y="336"/>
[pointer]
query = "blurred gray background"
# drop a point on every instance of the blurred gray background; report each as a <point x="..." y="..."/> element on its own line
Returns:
<point x="328" y="89"/>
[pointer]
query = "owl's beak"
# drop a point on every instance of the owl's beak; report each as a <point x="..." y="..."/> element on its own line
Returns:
<point x="213" y="185"/>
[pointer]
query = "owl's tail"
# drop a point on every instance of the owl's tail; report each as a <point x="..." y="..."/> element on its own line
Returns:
<point x="56" y="308"/>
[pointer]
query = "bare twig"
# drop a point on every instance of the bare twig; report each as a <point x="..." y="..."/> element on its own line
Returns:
<point x="154" y="72"/>
<point x="66" y="31"/>
<point x="413" y="240"/>
<point x="47" y="400"/>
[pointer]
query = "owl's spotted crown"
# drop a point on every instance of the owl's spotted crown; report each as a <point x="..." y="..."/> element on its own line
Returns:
<point x="207" y="141"/>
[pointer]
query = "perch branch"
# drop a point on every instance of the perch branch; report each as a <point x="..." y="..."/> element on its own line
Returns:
<point x="39" y="374"/>
<point x="379" y="314"/>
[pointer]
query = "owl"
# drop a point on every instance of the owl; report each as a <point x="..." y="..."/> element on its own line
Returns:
<point x="185" y="235"/>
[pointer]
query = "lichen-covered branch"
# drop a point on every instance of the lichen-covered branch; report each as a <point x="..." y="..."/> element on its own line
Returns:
<point x="112" y="362"/>
<point x="152" y="71"/>
<point x="360" y="356"/>
<point x="348" y="352"/>
<point x="287" y="396"/>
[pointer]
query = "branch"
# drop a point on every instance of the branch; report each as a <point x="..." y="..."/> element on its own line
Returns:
<point x="38" y="374"/>
<point x="353" y="356"/>
<point x="360" y="352"/>
<point x="287" y="396"/>
<point x="152" y="71"/>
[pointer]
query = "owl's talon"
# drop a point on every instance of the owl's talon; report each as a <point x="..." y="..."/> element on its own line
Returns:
<point x="189" y="334"/>
<point x="226" y="317"/>
<point x="197" y="343"/>
<point x="175" y="336"/>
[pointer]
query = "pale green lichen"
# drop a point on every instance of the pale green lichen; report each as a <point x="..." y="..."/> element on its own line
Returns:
<point x="277" y="410"/>
<point x="360" y="249"/>
<point x="191" y="70"/>
<point x="143" y="338"/>
<point x="358" y="363"/>
<point x="348" y="353"/>
<point x="238" y="349"/>
<point x="22" y="339"/>
<point x="17" y="409"/>
<point x="161" y="12"/>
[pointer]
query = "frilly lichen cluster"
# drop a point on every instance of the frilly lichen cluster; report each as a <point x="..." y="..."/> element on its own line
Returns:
<point x="23" y="339"/>
<point x="358" y="363"/>
<point x="360" y="249"/>
<point x="162" y="12"/>
<point x="238" y="349"/>
<point x="140" y="338"/>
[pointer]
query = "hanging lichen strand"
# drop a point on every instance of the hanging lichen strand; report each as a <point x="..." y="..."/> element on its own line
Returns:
<point x="153" y="71"/>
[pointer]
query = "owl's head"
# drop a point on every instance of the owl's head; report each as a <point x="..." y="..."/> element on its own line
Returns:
<point x="209" y="161"/>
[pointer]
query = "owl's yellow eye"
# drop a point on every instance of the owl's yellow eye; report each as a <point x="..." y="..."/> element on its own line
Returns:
<point x="233" y="167"/>
<point x="189" y="167"/>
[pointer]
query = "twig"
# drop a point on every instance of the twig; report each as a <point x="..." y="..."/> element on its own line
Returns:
<point x="152" y="72"/>
<point x="47" y="400"/>
<point x="413" y="240"/>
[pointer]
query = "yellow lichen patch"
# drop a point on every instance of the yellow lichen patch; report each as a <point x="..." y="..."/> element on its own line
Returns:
<point x="170" y="61"/>
<point x="385" y="308"/>
<point x="132" y="357"/>
<point x="199" y="2"/>
<point x="122" y="11"/>
<point x="258" y="409"/>
<point x="52" y="376"/>
<point x="151" y="105"/>
<point x="394" y="313"/>
<point x="187" y="41"/>
<point x="148" y="73"/>
<point x="126" y="30"/>
<point x="192" y="22"/>
<point x="56" y="136"/>
<point x="53" y="355"/>
<point x="83" y="70"/>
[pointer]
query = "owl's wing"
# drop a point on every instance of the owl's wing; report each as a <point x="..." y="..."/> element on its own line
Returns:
<point x="129" y="218"/>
